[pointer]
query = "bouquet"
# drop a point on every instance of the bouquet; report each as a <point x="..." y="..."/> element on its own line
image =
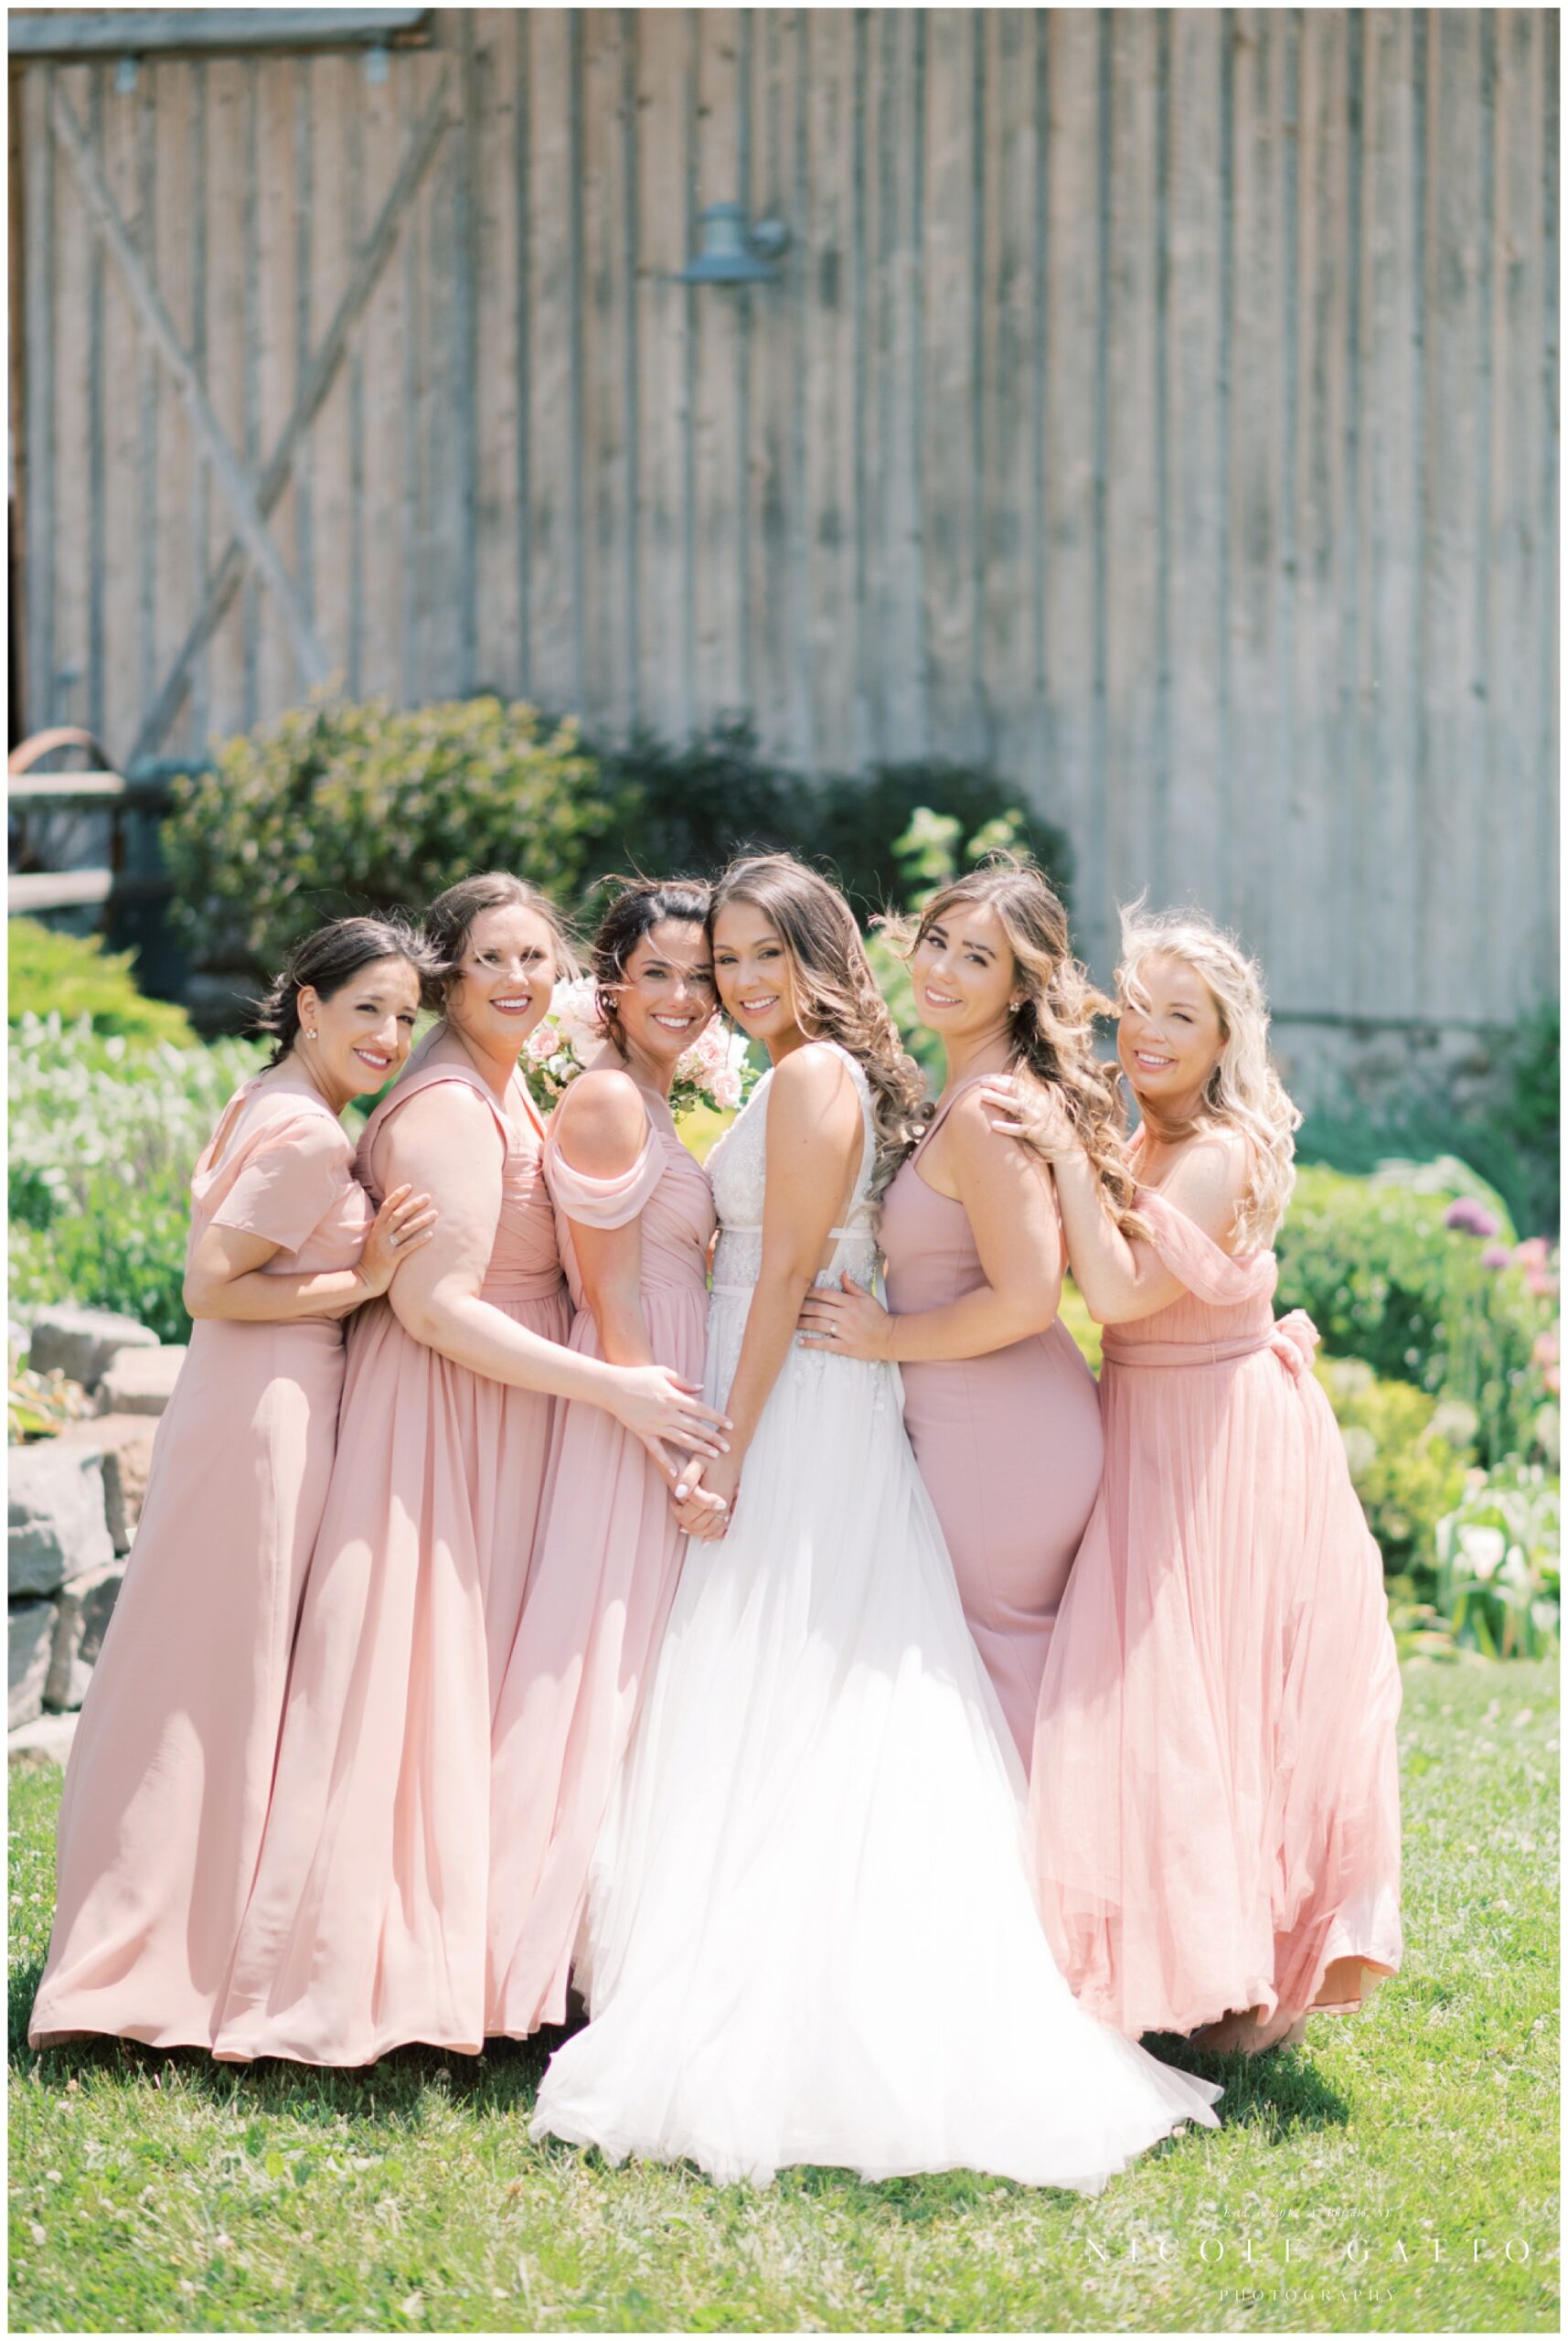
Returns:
<point x="713" y="1071"/>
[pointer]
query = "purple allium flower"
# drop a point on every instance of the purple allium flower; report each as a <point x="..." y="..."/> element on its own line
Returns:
<point x="1472" y="1218"/>
<point x="1497" y="1255"/>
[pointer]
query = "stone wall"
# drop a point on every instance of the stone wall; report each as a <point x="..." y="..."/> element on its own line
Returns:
<point x="75" y="1501"/>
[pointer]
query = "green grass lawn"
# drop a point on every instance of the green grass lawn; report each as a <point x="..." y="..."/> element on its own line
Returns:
<point x="153" y="2192"/>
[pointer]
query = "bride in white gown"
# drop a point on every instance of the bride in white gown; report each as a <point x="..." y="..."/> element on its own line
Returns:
<point x="810" y="1935"/>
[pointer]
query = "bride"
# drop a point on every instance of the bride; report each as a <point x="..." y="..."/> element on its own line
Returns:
<point x="811" y="1936"/>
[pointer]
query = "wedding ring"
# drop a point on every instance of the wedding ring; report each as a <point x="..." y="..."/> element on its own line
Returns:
<point x="393" y="1240"/>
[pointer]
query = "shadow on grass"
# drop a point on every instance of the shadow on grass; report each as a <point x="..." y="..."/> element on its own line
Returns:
<point x="1280" y="2090"/>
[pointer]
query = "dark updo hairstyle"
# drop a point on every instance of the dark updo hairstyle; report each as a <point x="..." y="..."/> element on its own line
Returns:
<point x="327" y="960"/>
<point x="450" y="919"/>
<point x="640" y="906"/>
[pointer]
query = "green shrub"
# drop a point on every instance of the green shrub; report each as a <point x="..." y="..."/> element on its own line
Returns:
<point x="1385" y="1279"/>
<point x="861" y="823"/>
<point x="74" y="975"/>
<point x="1408" y="1454"/>
<point x="1499" y="1564"/>
<point x="103" y="1145"/>
<point x="337" y="808"/>
<point x="688" y="811"/>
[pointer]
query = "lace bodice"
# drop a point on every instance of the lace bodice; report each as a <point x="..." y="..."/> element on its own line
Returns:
<point x="738" y="1168"/>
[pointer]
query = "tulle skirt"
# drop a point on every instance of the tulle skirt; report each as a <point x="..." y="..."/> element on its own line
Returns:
<point x="811" y="1936"/>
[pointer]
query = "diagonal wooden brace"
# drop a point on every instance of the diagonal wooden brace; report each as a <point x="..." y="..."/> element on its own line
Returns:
<point x="372" y="258"/>
<point x="233" y="479"/>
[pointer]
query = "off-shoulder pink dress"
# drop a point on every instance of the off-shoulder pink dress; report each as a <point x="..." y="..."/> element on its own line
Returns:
<point x="167" y="1785"/>
<point x="603" y="1574"/>
<point x="367" y="1925"/>
<point x="1009" y="1444"/>
<point x="1214" y="1808"/>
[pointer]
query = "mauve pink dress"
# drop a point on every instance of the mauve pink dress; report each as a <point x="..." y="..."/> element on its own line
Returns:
<point x="1009" y="1444"/>
<point x="603" y="1574"/>
<point x="1214" y="1810"/>
<point x="167" y="1790"/>
<point x="367" y="1925"/>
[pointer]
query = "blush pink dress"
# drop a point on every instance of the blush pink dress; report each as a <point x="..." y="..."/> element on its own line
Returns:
<point x="603" y="1577"/>
<point x="367" y="1925"/>
<point x="1214" y="1809"/>
<point x="1009" y="1444"/>
<point x="167" y="1790"/>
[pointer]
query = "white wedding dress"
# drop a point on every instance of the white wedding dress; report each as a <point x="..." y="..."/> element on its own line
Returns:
<point x="810" y="1935"/>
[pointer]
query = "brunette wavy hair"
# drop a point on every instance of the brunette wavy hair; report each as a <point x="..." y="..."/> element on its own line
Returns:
<point x="641" y="905"/>
<point x="1244" y="1092"/>
<point x="836" y="995"/>
<point x="1052" y="1028"/>
<point x="450" y="919"/>
<point x="327" y="960"/>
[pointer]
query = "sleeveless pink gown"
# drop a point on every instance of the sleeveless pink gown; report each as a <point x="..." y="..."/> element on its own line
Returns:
<point x="367" y="1925"/>
<point x="167" y="1790"/>
<point x="1214" y="1810"/>
<point x="1009" y="1444"/>
<point x="603" y="1577"/>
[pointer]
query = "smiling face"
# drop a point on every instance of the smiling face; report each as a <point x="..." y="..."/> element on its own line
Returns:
<point x="755" y="974"/>
<point x="363" y="1031"/>
<point x="508" y="974"/>
<point x="1170" y="1043"/>
<point x="665" y="996"/>
<point x="964" y="973"/>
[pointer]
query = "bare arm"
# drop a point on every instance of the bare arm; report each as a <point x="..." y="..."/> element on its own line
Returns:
<point x="601" y="1129"/>
<point x="447" y="1140"/>
<point x="1005" y="1192"/>
<point x="1120" y="1279"/>
<point x="227" y="1277"/>
<point x="813" y="1140"/>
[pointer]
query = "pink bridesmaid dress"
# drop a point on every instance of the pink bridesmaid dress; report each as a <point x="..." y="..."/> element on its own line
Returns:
<point x="367" y="1925"/>
<point x="1009" y="1444"/>
<point x="603" y="1577"/>
<point x="1214" y="1810"/>
<point x="167" y="1790"/>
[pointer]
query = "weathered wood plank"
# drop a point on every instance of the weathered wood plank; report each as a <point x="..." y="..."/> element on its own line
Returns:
<point x="1073" y="293"/>
<point x="718" y="450"/>
<point x="389" y="326"/>
<point x="1542" y="965"/>
<point x="1007" y="391"/>
<point x="138" y="32"/>
<point x="896" y="620"/>
<point x="328" y="446"/>
<point x="609" y="419"/>
<point x="40" y="417"/>
<point x="950" y="452"/>
<point x="500" y="366"/>
<point x="553" y="425"/>
<point x="121" y="384"/>
<point x="662" y="310"/>
<point x="276" y="294"/>
<point x="169" y="518"/>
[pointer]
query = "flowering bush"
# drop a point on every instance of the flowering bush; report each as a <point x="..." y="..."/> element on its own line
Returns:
<point x="1403" y="1272"/>
<point x="713" y="1074"/>
<point x="1407" y="1454"/>
<point x="103" y="1142"/>
<point x="1499" y="1564"/>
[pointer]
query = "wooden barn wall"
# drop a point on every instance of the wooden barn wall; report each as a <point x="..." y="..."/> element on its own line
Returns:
<point x="1160" y="406"/>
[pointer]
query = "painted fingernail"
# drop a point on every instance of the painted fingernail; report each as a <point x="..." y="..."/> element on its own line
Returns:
<point x="681" y="1493"/>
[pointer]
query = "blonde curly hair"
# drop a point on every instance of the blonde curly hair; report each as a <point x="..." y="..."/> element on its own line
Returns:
<point x="837" y="995"/>
<point x="1052" y="1027"/>
<point x="1243" y="1093"/>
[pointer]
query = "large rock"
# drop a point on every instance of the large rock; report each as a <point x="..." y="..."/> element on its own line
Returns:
<point x="82" y="1341"/>
<point x="140" y="1382"/>
<point x="82" y="1613"/>
<point x="58" y="1528"/>
<point x="32" y="1634"/>
<point x="125" y="1444"/>
<point x="46" y="1740"/>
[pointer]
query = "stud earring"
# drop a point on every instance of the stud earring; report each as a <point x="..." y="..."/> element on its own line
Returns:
<point x="311" y="1034"/>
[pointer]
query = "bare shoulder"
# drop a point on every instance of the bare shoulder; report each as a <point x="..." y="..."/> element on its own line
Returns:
<point x="978" y="1152"/>
<point x="601" y="1123"/>
<point x="1210" y="1179"/>
<point x="445" y="1127"/>
<point x="813" y="1094"/>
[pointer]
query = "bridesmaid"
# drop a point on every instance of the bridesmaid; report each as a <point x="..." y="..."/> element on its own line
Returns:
<point x="1215" y="1803"/>
<point x="1000" y="1406"/>
<point x="367" y="1925"/>
<point x="167" y="1785"/>
<point x="635" y="1216"/>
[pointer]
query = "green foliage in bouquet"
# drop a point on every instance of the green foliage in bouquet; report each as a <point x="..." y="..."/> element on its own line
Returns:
<point x="337" y="808"/>
<point x="1499" y="1564"/>
<point x="102" y="1146"/>
<point x="75" y="976"/>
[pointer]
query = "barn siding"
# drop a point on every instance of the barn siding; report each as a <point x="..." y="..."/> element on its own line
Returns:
<point x="1160" y="405"/>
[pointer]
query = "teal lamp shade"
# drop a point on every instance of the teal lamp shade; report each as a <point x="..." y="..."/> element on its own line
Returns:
<point x="726" y="257"/>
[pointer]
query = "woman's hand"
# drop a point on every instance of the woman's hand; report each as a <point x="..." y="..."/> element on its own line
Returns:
<point x="655" y="1405"/>
<point x="1036" y="1114"/>
<point x="707" y="1506"/>
<point x="401" y="1225"/>
<point x="851" y="1323"/>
